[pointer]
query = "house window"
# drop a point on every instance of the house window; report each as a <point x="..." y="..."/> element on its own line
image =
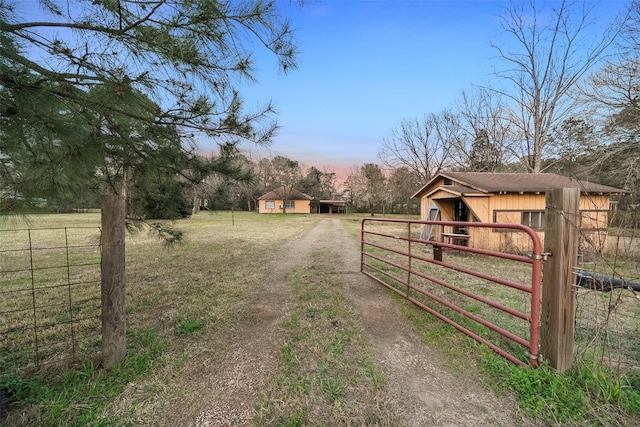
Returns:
<point x="270" y="204"/>
<point x="533" y="219"/>
<point x="290" y="204"/>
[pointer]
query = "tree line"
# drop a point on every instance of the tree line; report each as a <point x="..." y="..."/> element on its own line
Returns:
<point x="367" y="188"/>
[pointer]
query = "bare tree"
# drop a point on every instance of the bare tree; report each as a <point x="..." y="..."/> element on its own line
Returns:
<point x="484" y="118"/>
<point x="450" y="133"/>
<point x="423" y="146"/>
<point x="614" y="93"/>
<point x="355" y="188"/>
<point x="548" y="49"/>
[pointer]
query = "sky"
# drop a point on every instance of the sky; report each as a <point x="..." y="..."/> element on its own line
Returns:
<point x="365" y="66"/>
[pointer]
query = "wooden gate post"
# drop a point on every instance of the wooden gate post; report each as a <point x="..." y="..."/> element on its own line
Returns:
<point x="561" y="239"/>
<point x="114" y="339"/>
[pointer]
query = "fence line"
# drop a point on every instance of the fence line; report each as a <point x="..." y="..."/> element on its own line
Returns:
<point x="49" y="296"/>
<point x="606" y="323"/>
<point x="606" y="320"/>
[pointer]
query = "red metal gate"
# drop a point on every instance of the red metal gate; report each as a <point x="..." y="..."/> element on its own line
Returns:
<point x="490" y="295"/>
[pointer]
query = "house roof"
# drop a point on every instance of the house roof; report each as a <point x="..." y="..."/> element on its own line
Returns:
<point x="488" y="182"/>
<point x="282" y="193"/>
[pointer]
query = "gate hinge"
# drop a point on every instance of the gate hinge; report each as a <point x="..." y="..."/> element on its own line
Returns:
<point x="543" y="256"/>
<point x="539" y="357"/>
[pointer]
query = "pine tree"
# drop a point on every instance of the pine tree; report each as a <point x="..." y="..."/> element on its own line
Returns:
<point x="104" y="90"/>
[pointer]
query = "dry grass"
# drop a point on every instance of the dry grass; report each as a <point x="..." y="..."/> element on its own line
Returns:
<point x="204" y="280"/>
<point x="50" y="288"/>
<point x="497" y="268"/>
<point x="192" y="300"/>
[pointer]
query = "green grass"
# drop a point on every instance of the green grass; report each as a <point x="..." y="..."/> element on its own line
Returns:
<point x="82" y="397"/>
<point x="196" y="290"/>
<point x="189" y="326"/>
<point x="587" y="395"/>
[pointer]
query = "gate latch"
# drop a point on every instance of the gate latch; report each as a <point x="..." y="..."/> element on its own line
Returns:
<point x="543" y="256"/>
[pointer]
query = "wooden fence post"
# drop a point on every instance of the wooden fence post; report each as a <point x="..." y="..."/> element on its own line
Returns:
<point x="114" y="339"/>
<point x="561" y="239"/>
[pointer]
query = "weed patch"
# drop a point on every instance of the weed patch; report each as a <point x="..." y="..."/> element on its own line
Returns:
<point x="189" y="326"/>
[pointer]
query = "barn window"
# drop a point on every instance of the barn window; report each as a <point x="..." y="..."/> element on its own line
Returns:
<point x="290" y="204"/>
<point x="270" y="204"/>
<point x="533" y="219"/>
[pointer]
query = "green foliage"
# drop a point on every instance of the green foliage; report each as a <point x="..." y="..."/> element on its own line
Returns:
<point x="161" y="198"/>
<point x="633" y="379"/>
<point x="485" y="156"/>
<point x="319" y="185"/>
<point x="118" y="94"/>
<point x="17" y="388"/>
<point x="560" y="398"/>
<point x="333" y="389"/>
<point x="189" y="326"/>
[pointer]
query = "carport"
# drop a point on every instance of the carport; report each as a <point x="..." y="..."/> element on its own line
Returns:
<point x="332" y="206"/>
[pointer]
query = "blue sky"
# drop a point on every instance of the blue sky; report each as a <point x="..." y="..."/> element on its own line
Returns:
<point x="367" y="65"/>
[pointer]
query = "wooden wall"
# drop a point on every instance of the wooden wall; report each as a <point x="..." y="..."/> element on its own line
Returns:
<point x="508" y="208"/>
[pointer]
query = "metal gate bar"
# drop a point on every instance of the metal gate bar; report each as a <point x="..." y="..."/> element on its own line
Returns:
<point x="404" y="259"/>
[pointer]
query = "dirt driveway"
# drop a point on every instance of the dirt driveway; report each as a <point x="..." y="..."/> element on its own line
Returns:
<point x="417" y="379"/>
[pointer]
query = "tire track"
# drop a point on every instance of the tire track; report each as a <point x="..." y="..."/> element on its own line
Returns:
<point x="232" y="392"/>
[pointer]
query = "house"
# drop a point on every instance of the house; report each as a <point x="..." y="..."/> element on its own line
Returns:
<point x="508" y="198"/>
<point x="284" y="200"/>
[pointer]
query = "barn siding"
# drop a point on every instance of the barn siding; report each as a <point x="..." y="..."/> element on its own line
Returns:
<point x="508" y="208"/>
<point x="480" y="207"/>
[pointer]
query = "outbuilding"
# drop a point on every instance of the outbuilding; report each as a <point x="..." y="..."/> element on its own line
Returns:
<point x="508" y="198"/>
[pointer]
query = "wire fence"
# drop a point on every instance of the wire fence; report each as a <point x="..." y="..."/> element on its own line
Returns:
<point x="608" y="302"/>
<point x="49" y="297"/>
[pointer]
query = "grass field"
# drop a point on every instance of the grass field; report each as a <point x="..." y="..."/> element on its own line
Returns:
<point x="174" y="294"/>
<point x="187" y="303"/>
